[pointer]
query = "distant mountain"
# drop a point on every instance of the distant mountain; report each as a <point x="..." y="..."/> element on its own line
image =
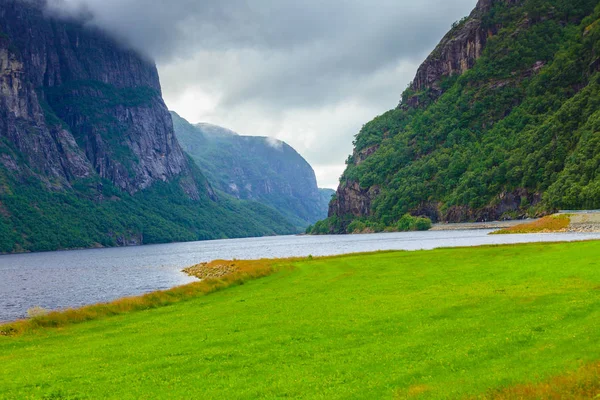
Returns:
<point x="255" y="168"/>
<point x="500" y="121"/>
<point x="326" y="197"/>
<point x="88" y="156"/>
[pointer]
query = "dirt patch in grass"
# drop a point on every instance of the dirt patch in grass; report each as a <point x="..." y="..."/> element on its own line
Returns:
<point x="213" y="270"/>
<point x="552" y="223"/>
<point x="579" y="385"/>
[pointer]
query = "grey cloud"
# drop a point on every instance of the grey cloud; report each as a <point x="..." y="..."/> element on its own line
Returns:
<point x="288" y="66"/>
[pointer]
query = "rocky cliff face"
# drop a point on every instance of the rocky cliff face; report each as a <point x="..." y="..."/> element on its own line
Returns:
<point x="351" y="199"/>
<point x="75" y="104"/>
<point x="254" y="168"/>
<point x="49" y="151"/>
<point x="455" y="54"/>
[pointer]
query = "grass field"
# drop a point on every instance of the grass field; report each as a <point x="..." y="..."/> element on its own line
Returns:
<point x="507" y="322"/>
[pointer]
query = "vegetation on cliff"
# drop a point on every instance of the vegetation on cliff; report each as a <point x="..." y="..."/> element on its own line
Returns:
<point x="518" y="134"/>
<point x="427" y="324"/>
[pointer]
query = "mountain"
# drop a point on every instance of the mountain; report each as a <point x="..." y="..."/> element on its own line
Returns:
<point x="326" y="195"/>
<point x="88" y="155"/>
<point x="501" y="121"/>
<point x="255" y="168"/>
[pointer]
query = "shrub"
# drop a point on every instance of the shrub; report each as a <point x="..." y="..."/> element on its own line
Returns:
<point x="356" y="226"/>
<point x="410" y="223"/>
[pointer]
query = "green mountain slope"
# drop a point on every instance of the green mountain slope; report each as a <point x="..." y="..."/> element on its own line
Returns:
<point x="255" y="168"/>
<point x="501" y="121"/>
<point x="96" y="213"/>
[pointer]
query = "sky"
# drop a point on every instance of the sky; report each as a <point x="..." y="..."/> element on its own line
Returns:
<point x="309" y="72"/>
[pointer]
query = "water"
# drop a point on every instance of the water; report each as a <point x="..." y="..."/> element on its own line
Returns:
<point x="65" y="279"/>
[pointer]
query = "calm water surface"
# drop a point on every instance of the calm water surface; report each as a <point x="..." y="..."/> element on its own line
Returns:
<point x="64" y="279"/>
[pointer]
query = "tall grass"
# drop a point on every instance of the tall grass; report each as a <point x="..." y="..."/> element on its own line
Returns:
<point x="238" y="273"/>
<point x="579" y="385"/>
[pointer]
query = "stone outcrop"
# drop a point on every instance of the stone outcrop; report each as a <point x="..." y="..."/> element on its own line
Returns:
<point x="508" y="205"/>
<point x="351" y="199"/>
<point x="75" y="103"/>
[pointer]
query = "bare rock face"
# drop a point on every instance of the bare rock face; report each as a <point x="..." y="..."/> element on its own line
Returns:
<point x="50" y="151"/>
<point x="505" y="206"/>
<point x="75" y="103"/>
<point x="351" y="199"/>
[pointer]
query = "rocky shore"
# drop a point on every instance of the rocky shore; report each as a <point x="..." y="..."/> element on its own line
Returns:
<point x="588" y="221"/>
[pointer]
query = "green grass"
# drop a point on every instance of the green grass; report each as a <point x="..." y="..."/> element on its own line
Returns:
<point x="448" y="323"/>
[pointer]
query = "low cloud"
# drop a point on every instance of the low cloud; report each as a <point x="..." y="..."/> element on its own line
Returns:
<point x="310" y="73"/>
<point x="274" y="143"/>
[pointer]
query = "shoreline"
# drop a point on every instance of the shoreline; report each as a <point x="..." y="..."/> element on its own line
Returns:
<point x="213" y="276"/>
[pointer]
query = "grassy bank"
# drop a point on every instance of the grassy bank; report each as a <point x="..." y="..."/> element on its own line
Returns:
<point x="215" y="276"/>
<point x="490" y="322"/>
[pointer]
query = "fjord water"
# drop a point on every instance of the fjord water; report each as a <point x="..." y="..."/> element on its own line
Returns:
<point x="63" y="279"/>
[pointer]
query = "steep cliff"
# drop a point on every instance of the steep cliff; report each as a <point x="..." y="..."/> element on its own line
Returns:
<point x="254" y="168"/>
<point x="88" y="154"/>
<point x="79" y="86"/>
<point x="499" y="122"/>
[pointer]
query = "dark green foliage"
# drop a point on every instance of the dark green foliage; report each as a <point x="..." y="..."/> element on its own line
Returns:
<point x="409" y="223"/>
<point x="365" y="226"/>
<point x="34" y="219"/>
<point x="331" y="225"/>
<point x="350" y="224"/>
<point x="525" y="117"/>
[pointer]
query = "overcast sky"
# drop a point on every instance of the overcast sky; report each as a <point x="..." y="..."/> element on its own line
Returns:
<point x="308" y="72"/>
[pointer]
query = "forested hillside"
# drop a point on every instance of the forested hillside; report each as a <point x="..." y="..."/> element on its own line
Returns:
<point x="501" y="121"/>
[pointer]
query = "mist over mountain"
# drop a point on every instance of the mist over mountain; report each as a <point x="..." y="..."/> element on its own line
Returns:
<point x="255" y="168"/>
<point x="88" y="156"/>
<point x="307" y="73"/>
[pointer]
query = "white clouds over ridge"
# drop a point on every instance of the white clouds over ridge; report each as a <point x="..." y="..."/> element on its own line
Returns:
<point x="309" y="73"/>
